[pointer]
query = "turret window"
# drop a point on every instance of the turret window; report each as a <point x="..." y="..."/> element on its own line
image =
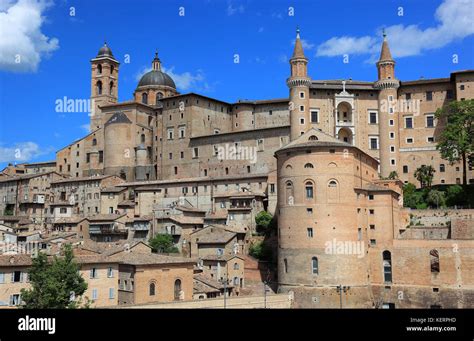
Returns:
<point x="387" y="266"/>
<point x="145" y="98"/>
<point x="301" y="94"/>
<point x="99" y="87"/>
<point x="111" y="88"/>
<point x="309" y="190"/>
<point x="99" y="69"/>
<point x="314" y="265"/>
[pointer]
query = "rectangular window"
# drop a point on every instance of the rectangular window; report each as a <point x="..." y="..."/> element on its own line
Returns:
<point x="260" y="145"/>
<point x="301" y="121"/>
<point x="391" y="122"/>
<point x="392" y="135"/>
<point x="94" y="294"/>
<point x="442" y="168"/>
<point x="170" y="133"/>
<point x="110" y="272"/>
<point x="371" y="211"/>
<point x="93" y="273"/>
<point x="374" y="143"/>
<point x="301" y="94"/>
<point x="310" y="232"/>
<point x="408" y="96"/>
<point x="15" y="300"/>
<point x="309" y="211"/>
<point x="272" y="188"/>
<point x="429" y="95"/>
<point x="372" y="118"/>
<point x="2" y="277"/>
<point x="409" y="139"/>
<point x="373" y="242"/>
<point x="405" y="169"/>
<point x="111" y="293"/>
<point x="409" y="122"/>
<point x="302" y="108"/>
<point x="430" y="121"/>
<point x="195" y="152"/>
<point x="371" y="197"/>
<point x="314" y="116"/>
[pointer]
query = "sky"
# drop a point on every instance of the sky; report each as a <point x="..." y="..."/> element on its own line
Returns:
<point x="225" y="49"/>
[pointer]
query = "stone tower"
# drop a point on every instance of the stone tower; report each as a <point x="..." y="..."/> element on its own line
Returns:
<point x="104" y="84"/>
<point x="299" y="84"/>
<point x="388" y="119"/>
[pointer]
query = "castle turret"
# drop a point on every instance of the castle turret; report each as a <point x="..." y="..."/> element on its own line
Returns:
<point x="388" y="121"/>
<point x="299" y="84"/>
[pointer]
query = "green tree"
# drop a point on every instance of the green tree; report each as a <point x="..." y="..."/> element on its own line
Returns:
<point x="263" y="220"/>
<point x="454" y="195"/>
<point x="260" y="250"/>
<point x="436" y="198"/>
<point x="53" y="284"/>
<point x="424" y="174"/>
<point x="163" y="243"/>
<point x="456" y="142"/>
<point x="393" y="175"/>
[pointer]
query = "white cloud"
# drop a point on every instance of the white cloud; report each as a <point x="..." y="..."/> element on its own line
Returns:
<point x="86" y="128"/>
<point x="233" y="9"/>
<point x="455" y="19"/>
<point x="23" y="45"/>
<point x="21" y="152"/>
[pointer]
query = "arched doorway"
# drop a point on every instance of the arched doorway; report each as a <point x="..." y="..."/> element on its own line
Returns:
<point x="344" y="114"/>
<point x="345" y="135"/>
<point x="177" y="289"/>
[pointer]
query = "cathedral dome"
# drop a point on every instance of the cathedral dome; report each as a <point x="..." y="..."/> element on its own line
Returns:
<point x="156" y="77"/>
<point x="105" y="51"/>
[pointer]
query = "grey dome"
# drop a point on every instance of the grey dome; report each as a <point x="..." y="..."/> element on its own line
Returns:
<point x="105" y="51"/>
<point x="155" y="77"/>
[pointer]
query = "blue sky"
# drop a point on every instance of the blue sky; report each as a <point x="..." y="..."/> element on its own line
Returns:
<point x="198" y="51"/>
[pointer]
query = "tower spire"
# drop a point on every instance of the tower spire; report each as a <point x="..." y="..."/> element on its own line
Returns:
<point x="298" y="50"/>
<point x="385" y="54"/>
<point x="156" y="63"/>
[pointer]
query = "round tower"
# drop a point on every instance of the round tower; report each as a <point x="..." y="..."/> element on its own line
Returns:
<point x="299" y="84"/>
<point x="387" y="85"/>
<point x="321" y="230"/>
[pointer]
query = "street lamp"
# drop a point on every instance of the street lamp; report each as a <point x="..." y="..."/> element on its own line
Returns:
<point x="340" y="289"/>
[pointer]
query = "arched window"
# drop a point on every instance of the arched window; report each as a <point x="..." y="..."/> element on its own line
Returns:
<point x="99" y="69"/>
<point x="314" y="265"/>
<point x="289" y="167"/>
<point x="144" y="98"/>
<point x="111" y="88"/>
<point x="152" y="289"/>
<point x="285" y="263"/>
<point x="173" y="229"/>
<point x="289" y="193"/>
<point x="142" y="138"/>
<point x="309" y="190"/>
<point x="434" y="260"/>
<point x="99" y="87"/>
<point x="387" y="266"/>
<point x="111" y="69"/>
<point x="313" y="138"/>
<point x="177" y="289"/>
<point x="332" y="183"/>
<point x="94" y="142"/>
<point x="308" y="165"/>
<point x="159" y="95"/>
<point x="236" y="266"/>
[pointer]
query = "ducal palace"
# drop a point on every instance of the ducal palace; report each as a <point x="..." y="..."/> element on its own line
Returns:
<point x="166" y="162"/>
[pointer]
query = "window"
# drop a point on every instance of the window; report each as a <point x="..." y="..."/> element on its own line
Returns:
<point x="144" y="98"/>
<point x="195" y="152"/>
<point x="310" y="232"/>
<point x="171" y="156"/>
<point x="111" y="88"/>
<point x="409" y="139"/>
<point x="309" y="190"/>
<point x="17" y="276"/>
<point x="314" y="265"/>
<point x="99" y="88"/>
<point x="387" y="266"/>
<point x="99" y="69"/>
<point x="260" y="145"/>
<point x="332" y="183"/>
<point x="408" y="96"/>
<point x="430" y="139"/>
<point x="371" y="197"/>
<point x="309" y="211"/>
<point x="110" y="272"/>
<point x="373" y="242"/>
<point x="392" y="135"/>
<point x="434" y="261"/>
<point x="374" y="143"/>
<point x="314" y="116"/>
<point x="15" y="299"/>
<point x="301" y="94"/>
<point x="152" y="288"/>
<point x="372" y="118"/>
<point x="62" y="210"/>
<point x="405" y="169"/>
<point x="111" y="293"/>
<point x="94" y="273"/>
<point x="177" y="289"/>
<point x="391" y="122"/>
<point x="308" y="165"/>
<point x="371" y="211"/>
<point x="285" y="263"/>
<point x="449" y="94"/>
<point x="302" y="121"/>
<point x="409" y="122"/>
<point x="170" y="133"/>
<point x="272" y="188"/>
<point x="429" y="95"/>
<point x="430" y="121"/>
<point x="94" y="294"/>
<point x="289" y="193"/>
<point x="2" y="277"/>
<point x="442" y="168"/>
<point x="302" y="108"/>
<point x="236" y="266"/>
<point x="182" y="132"/>
<point x="392" y="162"/>
<point x="142" y="138"/>
<point x="392" y="149"/>
<point x="461" y="87"/>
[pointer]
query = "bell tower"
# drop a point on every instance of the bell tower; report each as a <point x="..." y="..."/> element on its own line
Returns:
<point x="299" y="84"/>
<point x="387" y="85"/>
<point x="104" y="84"/>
